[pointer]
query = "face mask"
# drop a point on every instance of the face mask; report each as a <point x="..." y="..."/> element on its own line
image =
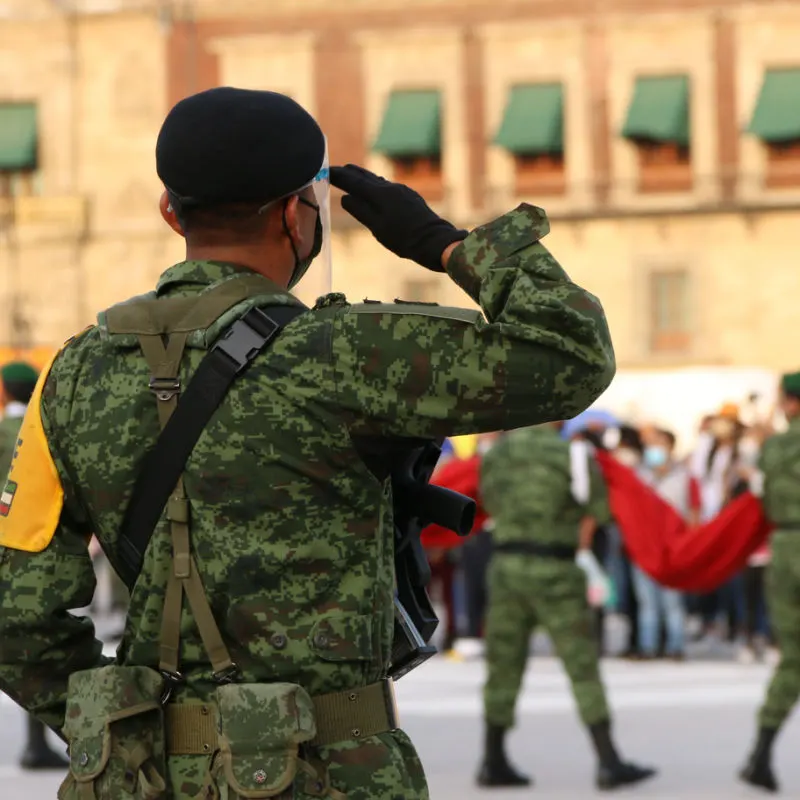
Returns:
<point x="301" y="265"/>
<point x="655" y="456"/>
<point x="626" y="456"/>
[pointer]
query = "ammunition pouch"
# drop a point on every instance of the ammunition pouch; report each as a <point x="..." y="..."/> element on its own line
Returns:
<point x="261" y="734"/>
<point x="115" y="730"/>
<point x="262" y="726"/>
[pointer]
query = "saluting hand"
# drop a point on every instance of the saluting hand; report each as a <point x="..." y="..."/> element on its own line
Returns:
<point x="396" y="216"/>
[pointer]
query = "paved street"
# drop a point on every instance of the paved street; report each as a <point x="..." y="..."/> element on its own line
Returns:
<point x="693" y="720"/>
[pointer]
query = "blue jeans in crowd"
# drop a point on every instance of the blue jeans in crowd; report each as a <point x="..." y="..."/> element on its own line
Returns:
<point x="615" y="566"/>
<point x="654" y="602"/>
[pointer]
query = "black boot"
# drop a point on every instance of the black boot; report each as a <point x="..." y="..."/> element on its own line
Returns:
<point x="758" y="770"/>
<point x="612" y="772"/>
<point x="38" y="754"/>
<point x="495" y="770"/>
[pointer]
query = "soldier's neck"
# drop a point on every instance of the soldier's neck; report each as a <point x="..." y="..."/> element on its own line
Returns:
<point x="254" y="257"/>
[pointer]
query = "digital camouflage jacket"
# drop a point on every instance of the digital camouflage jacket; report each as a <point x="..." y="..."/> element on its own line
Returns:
<point x="292" y="534"/>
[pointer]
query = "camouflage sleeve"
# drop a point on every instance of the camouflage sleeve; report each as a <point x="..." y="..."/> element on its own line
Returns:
<point x="491" y="464"/>
<point x="780" y="498"/>
<point x="598" y="506"/>
<point x="41" y="643"/>
<point x="543" y="351"/>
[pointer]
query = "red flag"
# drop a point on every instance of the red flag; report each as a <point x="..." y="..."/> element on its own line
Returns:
<point x="459" y="475"/>
<point x="662" y="544"/>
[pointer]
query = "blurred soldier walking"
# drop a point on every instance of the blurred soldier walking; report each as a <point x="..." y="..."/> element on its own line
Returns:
<point x="18" y="380"/>
<point x="778" y="480"/>
<point x="546" y="499"/>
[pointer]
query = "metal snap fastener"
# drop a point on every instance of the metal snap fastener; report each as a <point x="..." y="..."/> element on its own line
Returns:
<point x="84" y="759"/>
<point x="321" y="640"/>
<point x="278" y="641"/>
<point x="352" y="696"/>
<point x="204" y="710"/>
<point x="206" y="748"/>
<point x="356" y="732"/>
<point x="259" y="776"/>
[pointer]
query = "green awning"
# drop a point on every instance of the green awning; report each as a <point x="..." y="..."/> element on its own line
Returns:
<point x="777" y="114"/>
<point x="659" y="110"/>
<point x="18" y="137"/>
<point x="533" y="122"/>
<point x="411" y="125"/>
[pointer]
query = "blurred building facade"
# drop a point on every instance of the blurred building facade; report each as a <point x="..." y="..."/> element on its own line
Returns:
<point x="662" y="137"/>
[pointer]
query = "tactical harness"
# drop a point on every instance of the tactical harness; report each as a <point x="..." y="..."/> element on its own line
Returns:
<point x="124" y="743"/>
<point x="162" y="328"/>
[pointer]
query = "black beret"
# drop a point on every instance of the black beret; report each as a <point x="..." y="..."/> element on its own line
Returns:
<point x="230" y="145"/>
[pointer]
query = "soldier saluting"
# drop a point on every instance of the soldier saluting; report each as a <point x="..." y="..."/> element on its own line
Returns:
<point x="259" y="633"/>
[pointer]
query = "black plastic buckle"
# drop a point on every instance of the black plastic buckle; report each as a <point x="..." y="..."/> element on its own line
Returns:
<point x="228" y="675"/>
<point x="171" y="680"/>
<point x="242" y="342"/>
<point x="165" y="388"/>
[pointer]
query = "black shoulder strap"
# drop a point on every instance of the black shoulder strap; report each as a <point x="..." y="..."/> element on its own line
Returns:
<point x="164" y="463"/>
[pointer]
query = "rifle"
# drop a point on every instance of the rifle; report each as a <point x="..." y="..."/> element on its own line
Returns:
<point x="410" y="462"/>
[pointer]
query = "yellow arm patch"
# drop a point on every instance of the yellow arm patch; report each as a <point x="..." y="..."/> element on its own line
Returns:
<point x="32" y="498"/>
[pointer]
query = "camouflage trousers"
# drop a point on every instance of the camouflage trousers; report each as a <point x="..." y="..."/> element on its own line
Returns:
<point x="384" y="767"/>
<point x="783" y="601"/>
<point x="526" y="591"/>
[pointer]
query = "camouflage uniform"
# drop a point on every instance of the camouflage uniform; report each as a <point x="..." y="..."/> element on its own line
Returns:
<point x="290" y="531"/>
<point x="525" y="485"/>
<point x="780" y="464"/>
<point x="777" y="479"/>
<point x="529" y="486"/>
<point x="9" y="428"/>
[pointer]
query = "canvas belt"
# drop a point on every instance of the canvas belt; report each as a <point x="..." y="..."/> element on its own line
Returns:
<point x="562" y="552"/>
<point x="191" y="727"/>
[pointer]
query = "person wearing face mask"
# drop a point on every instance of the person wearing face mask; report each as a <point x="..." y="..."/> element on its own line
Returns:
<point x="674" y="484"/>
<point x="717" y="465"/>
<point x="231" y="450"/>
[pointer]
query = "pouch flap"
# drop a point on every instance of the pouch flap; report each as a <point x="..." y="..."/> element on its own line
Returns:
<point x="261" y="726"/>
<point x="95" y="699"/>
<point x="342" y="637"/>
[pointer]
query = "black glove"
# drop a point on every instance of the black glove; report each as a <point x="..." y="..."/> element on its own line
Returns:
<point x="396" y="215"/>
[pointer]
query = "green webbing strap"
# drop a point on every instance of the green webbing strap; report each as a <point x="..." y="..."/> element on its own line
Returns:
<point x="187" y="314"/>
<point x="86" y="790"/>
<point x="164" y="361"/>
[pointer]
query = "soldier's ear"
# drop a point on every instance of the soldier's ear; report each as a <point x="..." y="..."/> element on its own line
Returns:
<point x="291" y="219"/>
<point x="168" y="213"/>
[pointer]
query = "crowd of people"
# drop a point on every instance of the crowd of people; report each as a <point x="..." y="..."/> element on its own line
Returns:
<point x="661" y="622"/>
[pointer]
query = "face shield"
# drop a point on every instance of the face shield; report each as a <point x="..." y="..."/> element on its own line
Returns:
<point x="322" y="197"/>
<point x="321" y="247"/>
